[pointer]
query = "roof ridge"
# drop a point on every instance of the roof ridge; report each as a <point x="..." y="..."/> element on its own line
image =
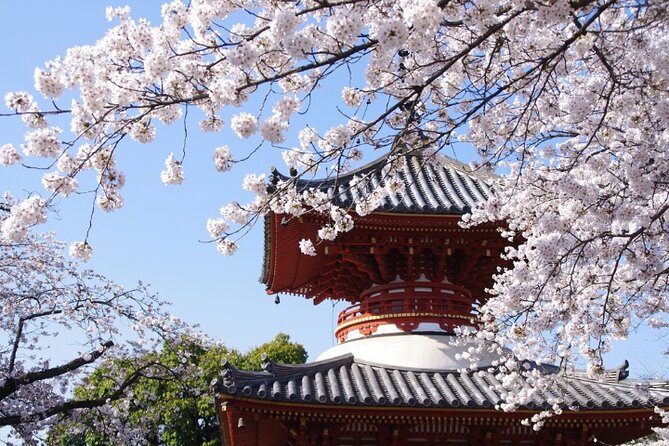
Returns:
<point x="612" y="375"/>
<point x="283" y="370"/>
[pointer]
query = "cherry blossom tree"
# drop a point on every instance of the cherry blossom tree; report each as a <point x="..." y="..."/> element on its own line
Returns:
<point x="57" y="322"/>
<point x="569" y="98"/>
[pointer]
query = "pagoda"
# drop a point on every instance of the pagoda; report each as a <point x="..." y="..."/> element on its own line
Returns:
<point x="412" y="276"/>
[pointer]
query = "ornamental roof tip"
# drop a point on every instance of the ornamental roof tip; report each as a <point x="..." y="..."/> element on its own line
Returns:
<point x="432" y="184"/>
<point x="266" y="363"/>
<point x="344" y="380"/>
<point x="612" y="375"/>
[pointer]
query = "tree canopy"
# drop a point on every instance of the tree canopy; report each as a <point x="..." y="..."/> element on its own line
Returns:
<point x="172" y="410"/>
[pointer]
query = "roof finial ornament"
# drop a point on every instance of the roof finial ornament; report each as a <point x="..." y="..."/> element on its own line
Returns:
<point x="228" y="375"/>
<point x="623" y="370"/>
<point x="267" y="364"/>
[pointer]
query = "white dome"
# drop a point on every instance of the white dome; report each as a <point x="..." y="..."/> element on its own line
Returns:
<point x="406" y="350"/>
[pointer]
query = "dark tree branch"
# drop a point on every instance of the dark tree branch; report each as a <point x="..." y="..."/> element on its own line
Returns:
<point x="12" y="384"/>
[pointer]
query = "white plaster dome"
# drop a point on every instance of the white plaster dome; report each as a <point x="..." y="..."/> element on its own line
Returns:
<point x="406" y="350"/>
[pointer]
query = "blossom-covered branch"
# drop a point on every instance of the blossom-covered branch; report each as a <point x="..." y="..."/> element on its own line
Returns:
<point x="46" y="304"/>
<point x="569" y="99"/>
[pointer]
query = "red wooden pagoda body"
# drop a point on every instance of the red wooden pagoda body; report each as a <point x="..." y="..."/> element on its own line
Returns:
<point x="412" y="276"/>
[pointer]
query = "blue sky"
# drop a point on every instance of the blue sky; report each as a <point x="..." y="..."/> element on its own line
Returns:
<point x="157" y="235"/>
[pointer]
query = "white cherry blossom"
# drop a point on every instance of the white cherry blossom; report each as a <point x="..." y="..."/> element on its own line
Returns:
<point x="567" y="98"/>
<point x="226" y="247"/>
<point x="81" y="251"/>
<point x="223" y="160"/>
<point x="173" y="172"/>
<point x="307" y="247"/>
<point x="244" y="124"/>
<point x="9" y="155"/>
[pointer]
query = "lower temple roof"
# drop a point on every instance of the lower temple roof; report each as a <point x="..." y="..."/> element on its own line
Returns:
<point x="346" y="381"/>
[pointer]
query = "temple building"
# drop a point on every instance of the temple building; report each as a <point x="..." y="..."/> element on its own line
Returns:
<point x="411" y="276"/>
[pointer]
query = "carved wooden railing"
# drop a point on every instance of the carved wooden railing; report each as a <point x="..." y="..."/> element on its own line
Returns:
<point x="407" y="305"/>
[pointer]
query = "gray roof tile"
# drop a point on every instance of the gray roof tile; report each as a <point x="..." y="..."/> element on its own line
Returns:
<point x="446" y="188"/>
<point x="344" y="380"/>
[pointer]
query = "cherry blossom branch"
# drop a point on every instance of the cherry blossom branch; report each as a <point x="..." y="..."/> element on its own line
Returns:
<point x="12" y="384"/>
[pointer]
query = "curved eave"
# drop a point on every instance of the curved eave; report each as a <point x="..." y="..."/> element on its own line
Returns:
<point x="285" y="268"/>
<point x="267" y="259"/>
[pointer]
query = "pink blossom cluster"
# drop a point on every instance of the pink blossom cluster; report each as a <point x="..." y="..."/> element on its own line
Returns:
<point x="48" y="304"/>
<point x="23" y="215"/>
<point x="9" y="155"/>
<point x="173" y="172"/>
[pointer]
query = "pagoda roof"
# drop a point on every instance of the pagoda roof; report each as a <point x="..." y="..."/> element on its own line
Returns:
<point x="446" y="188"/>
<point x="346" y="381"/>
<point x="432" y="186"/>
